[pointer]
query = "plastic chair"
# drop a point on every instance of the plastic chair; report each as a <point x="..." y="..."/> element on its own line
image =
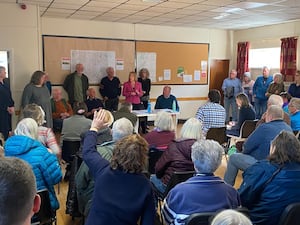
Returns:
<point x="246" y="129"/>
<point x="46" y="215"/>
<point x="154" y="155"/>
<point x="206" y="217"/>
<point x="218" y="135"/>
<point x="69" y="150"/>
<point x="290" y="215"/>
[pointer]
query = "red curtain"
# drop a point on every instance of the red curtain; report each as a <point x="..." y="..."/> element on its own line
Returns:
<point x="288" y="58"/>
<point x="242" y="58"/>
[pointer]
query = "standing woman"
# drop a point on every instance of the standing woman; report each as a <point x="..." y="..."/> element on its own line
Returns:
<point x="132" y="90"/>
<point x="294" y="89"/>
<point x="6" y="105"/>
<point x="36" y="92"/>
<point x="146" y="86"/>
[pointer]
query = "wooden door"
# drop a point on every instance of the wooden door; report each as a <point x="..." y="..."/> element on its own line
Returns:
<point x="219" y="69"/>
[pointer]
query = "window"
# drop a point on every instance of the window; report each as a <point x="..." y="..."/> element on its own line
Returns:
<point x="264" y="57"/>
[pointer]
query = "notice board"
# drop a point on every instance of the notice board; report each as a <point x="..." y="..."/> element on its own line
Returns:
<point x="174" y="63"/>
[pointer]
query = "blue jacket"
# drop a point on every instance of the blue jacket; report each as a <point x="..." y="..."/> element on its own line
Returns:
<point x="266" y="202"/>
<point x="260" y="87"/>
<point x="44" y="164"/>
<point x="202" y="193"/>
<point x="120" y="198"/>
<point x="258" y="143"/>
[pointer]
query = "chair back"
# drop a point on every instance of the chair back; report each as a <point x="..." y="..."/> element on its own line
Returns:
<point x="217" y="134"/>
<point x="247" y="128"/>
<point x="176" y="178"/>
<point x="290" y="215"/>
<point x="45" y="215"/>
<point x="154" y="155"/>
<point x="205" y="218"/>
<point x="69" y="150"/>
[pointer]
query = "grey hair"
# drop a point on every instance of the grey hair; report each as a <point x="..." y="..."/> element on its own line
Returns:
<point x="2" y="68"/>
<point x="275" y="112"/>
<point x="121" y="128"/>
<point x="295" y="102"/>
<point x="279" y="75"/>
<point x="27" y="127"/>
<point x="18" y="190"/>
<point x="275" y="100"/>
<point x="230" y="217"/>
<point x="164" y="121"/>
<point x="266" y="67"/>
<point x="206" y="156"/>
<point x="192" y="129"/>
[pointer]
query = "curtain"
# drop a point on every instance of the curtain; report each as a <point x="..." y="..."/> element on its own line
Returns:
<point x="288" y="58"/>
<point x="242" y="58"/>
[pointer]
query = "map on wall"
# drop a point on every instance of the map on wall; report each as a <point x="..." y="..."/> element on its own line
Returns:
<point x="94" y="62"/>
<point x="147" y="60"/>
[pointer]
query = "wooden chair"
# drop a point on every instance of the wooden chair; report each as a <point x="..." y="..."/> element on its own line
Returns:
<point x="217" y="134"/>
<point x="290" y="215"/>
<point x="45" y="215"/>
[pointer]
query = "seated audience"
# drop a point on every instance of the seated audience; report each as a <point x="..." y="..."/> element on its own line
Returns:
<point x="178" y="155"/>
<point x="212" y="114"/>
<point x="165" y="101"/>
<point x="294" y="89"/>
<point x="163" y="133"/>
<point x="271" y="185"/>
<point x="246" y="112"/>
<point x="286" y="98"/>
<point x="24" y="145"/>
<point x="19" y="199"/>
<point x="294" y="109"/>
<point x="122" y="194"/>
<point x="61" y="109"/>
<point x="84" y="181"/>
<point x="230" y="217"/>
<point x="274" y="100"/>
<point x="45" y="134"/>
<point x="93" y="103"/>
<point x="277" y="86"/>
<point x="257" y="145"/>
<point x="204" y="192"/>
<point x="125" y="110"/>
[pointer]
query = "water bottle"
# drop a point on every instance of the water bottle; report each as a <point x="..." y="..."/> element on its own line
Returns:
<point x="149" y="107"/>
<point x="174" y="106"/>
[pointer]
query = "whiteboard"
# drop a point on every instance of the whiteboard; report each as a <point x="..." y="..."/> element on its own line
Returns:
<point x="95" y="63"/>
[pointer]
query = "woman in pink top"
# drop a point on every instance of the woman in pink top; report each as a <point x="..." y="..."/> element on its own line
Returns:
<point x="132" y="90"/>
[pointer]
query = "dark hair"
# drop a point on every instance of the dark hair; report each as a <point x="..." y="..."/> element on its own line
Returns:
<point x="36" y="77"/>
<point x="130" y="154"/>
<point x="214" y="96"/>
<point x="244" y="99"/>
<point x="144" y="70"/>
<point x="286" y="148"/>
<point x="126" y="106"/>
<point x="286" y="95"/>
<point x="78" y="107"/>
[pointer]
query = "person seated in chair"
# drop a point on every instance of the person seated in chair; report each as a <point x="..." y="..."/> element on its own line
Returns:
<point x="204" y="192"/>
<point x="178" y="155"/>
<point x="257" y="145"/>
<point x="163" y="133"/>
<point x="84" y="181"/>
<point x="166" y="100"/>
<point x="125" y="110"/>
<point x="24" y="145"/>
<point x="19" y="198"/>
<point x="93" y="103"/>
<point x="269" y="186"/>
<point x="61" y="109"/>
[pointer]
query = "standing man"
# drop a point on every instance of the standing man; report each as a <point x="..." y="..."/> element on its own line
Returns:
<point x="76" y="85"/>
<point x="110" y="89"/>
<point x="6" y="105"/>
<point x="231" y="87"/>
<point x="259" y="92"/>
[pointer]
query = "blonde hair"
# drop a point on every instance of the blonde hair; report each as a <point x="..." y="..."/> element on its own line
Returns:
<point x="164" y="121"/>
<point x="27" y="127"/>
<point x="35" y="112"/>
<point x="192" y="129"/>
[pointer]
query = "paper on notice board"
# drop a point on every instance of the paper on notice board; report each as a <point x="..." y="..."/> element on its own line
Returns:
<point x="167" y="74"/>
<point x="187" y="78"/>
<point x="160" y="78"/>
<point x="66" y="63"/>
<point x="197" y="75"/>
<point x="119" y="64"/>
<point x="203" y="65"/>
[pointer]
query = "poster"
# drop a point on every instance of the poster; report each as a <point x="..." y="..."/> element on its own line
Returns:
<point x="180" y="71"/>
<point x="66" y="63"/>
<point x="167" y="74"/>
<point x="187" y="78"/>
<point x="197" y="75"/>
<point x="119" y="64"/>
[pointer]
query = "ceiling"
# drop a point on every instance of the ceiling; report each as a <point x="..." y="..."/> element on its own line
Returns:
<point x="218" y="14"/>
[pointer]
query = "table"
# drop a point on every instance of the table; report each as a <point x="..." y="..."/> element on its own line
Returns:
<point x="144" y="113"/>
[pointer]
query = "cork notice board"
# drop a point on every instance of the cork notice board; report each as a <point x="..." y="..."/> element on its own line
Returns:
<point x="95" y="54"/>
<point x="176" y="63"/>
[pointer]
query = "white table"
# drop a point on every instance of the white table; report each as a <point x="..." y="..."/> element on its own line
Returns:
<point x="151" y="116"/>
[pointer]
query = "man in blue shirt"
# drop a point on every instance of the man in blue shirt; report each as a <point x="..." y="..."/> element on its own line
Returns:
<point x="165" y="101"/>
<point x="231" y="87"/>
